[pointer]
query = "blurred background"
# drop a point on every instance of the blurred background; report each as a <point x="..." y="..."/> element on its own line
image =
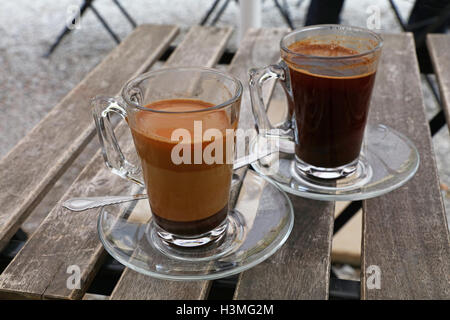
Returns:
<point x="33" y="81"/>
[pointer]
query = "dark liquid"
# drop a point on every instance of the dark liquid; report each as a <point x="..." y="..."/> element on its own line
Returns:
<point x="186" y="199"/>
<point x="330" y="110"/>
<point x="191" y="228"/>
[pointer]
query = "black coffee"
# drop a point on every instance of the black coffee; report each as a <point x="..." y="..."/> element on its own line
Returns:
<point x="330" y="110"/>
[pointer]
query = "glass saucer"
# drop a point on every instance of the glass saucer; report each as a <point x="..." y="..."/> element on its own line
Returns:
<point x="388" y="160"/>
<point x="258" y="225"/>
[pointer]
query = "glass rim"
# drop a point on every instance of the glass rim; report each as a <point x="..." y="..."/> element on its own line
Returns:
<point x="335" y="26"/>
<point x="132" y="83"/>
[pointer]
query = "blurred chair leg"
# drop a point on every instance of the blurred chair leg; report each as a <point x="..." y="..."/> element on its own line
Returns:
<point x="284" y="10"/>
<point x="105" y="24"/>
<point x="324" y="12"/>
<point x="427" y="16"/>
<point x="438" y="25"/>
<point x="126" y="14"/>
<point x="220" y="12"/>
<point x="285" y="13"/>
<point x="397" y="14"/>
<point x="210" y="11"/>
<point x="87" y="4"/>
<point x="299" y="3"/>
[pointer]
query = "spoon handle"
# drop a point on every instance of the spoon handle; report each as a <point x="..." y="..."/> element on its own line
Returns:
<point x="81" y="204"/>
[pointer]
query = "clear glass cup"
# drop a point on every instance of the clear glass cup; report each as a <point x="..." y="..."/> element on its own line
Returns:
<point x="328" y="97"/>
<point x="188" y="193"/>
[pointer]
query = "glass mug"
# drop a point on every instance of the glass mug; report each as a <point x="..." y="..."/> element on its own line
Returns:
<point x="163" y="109"/>
<point x="327" y="72"/>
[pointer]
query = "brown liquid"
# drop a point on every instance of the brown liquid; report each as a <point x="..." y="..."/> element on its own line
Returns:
<point x="330" y="109"/>
<point x="186" y="199"/>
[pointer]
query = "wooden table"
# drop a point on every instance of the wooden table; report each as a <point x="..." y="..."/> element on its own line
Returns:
<point x="405" y="232"/>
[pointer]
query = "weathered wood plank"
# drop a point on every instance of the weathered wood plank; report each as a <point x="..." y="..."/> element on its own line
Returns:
<point x="439" y="48"/>
<point x="246" y="57"/>
<point x="210" y="41"/>
<point x="66" y="238"/>
<point x="258" y="48"/>
<point x="89" y="296"/>
<point x="301" y="268"/>
<point x="29" y="170"/>
<point x="405" y="232"/>
<point x="206" y="46"/>
<point x="63" y="239"/>
<point x="136" y="286"/>
<point x="306" y="255"/>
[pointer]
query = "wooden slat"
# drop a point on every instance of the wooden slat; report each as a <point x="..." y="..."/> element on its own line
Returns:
<point x="206" y="45"/>
<point x="29" y="170"/>
<point x="259" y="48"/>
<point x="89" y="296"/>
<point x="301" y="268"/>
<point x="266" y="43"/>
<point x="63" y="239"/>
<point x="439" y="48"/>
<point x="66" y="238"/>
<point x="203" y="46"/>
<point x="305" y="257"/>
<point x="136" y="286"/>
<point x="405" y="232"/>
<point x="253" y="52"/>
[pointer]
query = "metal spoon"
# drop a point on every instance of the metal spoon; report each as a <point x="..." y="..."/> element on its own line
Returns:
<point x="85" y="203"/>
<point x="81" y="204"/>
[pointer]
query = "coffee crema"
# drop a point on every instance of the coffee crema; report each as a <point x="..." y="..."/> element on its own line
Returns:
<point x="330" y="106"/>
<point x="321" y="50"/>
<point x="186" y="199"/>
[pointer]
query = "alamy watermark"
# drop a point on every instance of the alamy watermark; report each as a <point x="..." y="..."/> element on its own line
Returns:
<point x="373" y="279"/>
<point x="373" y="21"/>
<point x="74" y="280"/>
<point x="214" y="146"/>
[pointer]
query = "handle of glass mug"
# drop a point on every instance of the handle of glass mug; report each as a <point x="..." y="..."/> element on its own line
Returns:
<point x="257" y="79"/>
<point x="112" y="154"/>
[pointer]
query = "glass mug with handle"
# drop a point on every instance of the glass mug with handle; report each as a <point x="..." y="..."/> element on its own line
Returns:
<point x="327" y="72"/>
<point x="188" y="194"/>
